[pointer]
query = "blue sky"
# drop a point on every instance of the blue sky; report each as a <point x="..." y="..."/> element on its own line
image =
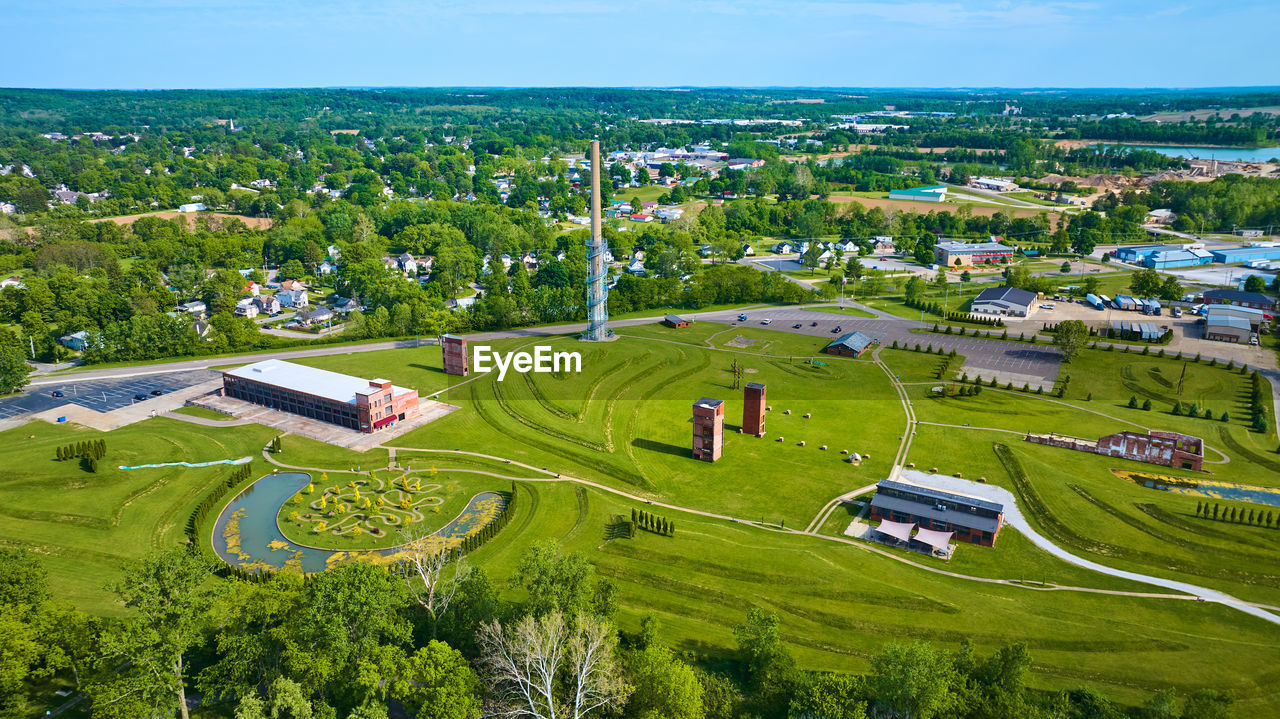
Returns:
<point x="310" y="43"/>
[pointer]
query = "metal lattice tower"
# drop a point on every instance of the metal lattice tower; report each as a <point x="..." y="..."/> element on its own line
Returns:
<point x="597" y="293"/>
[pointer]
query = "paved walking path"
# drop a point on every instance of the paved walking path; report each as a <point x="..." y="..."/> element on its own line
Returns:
<point x="1014" y="518"/>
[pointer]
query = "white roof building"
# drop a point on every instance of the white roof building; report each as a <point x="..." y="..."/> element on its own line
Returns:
<point x="309" y="380"/>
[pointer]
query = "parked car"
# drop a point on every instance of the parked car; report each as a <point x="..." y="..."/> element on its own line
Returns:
<point x="765" y="321"/>
<point x="139" y="397"/>
<point x="157" y="392"/>
<point x="813" y="324"/>
<point x="1046" y="305"/>
<point x="797" y="325"/>
<point x="58" y="393"/>
<point x="742" y="318"/>
<point x="836" y="331"/>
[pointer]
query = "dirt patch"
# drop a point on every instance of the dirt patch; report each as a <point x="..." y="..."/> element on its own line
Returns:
<point x="256" y="223"/>
<point x="1207" y="113"/>
<point x="740" y="342"/>
<point x="924" y="207"/>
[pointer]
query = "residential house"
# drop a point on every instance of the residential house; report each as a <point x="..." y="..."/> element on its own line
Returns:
<point x="783" y="248"/>
<point x="196" y="308"/>
<point x="636" y="267"/>
<point x="319" y="315"/>
<point x="748" y="250"/>
<point x="268" y="304"/>
<point x="293" y="298"/>
<point x="192" y="207"/>
<point x="75" y="341"/>
<point x="334" y="252"/>
<point x="327" y="268"/>
<point x="292" y="285"/>
<point x="247" y="308"/>
<point x="347" y="306"/>
<point x="407" y="263"/>
<point x="14" y="282"/>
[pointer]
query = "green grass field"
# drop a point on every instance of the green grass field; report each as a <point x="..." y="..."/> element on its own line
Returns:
<point x="202" y="412"/>
<point x="624" y="423"/>
<point x="83" y="525"/>
<point x="839" y="603"/>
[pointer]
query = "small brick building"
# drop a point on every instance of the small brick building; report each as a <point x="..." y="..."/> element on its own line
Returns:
<point x="455" y="354"/>
<point x="675" y="321"/>
<point x="708" y="429"/>
<point x="753" y="406"/>
<point x="1170" y="449"/>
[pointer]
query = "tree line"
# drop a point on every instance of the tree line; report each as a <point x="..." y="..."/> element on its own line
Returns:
<point x="360" y="641"/>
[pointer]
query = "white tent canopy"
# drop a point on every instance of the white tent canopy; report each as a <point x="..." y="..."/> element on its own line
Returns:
<point x="933" y="538"/>
<point x="900" y="531"/>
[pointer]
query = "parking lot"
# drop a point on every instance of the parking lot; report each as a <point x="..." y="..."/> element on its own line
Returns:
<point x="1006" y="358"/>
<point x="100" y="395"/>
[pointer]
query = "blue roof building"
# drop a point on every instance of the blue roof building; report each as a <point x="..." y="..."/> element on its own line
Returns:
<point x="1137" y="253"/>
<point x="1164" y="259"/>
<point x="1232" y="255"/>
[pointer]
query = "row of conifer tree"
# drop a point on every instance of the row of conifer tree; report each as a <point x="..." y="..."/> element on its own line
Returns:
<point x="90" y="449"/>
<point x="652" y="522"/>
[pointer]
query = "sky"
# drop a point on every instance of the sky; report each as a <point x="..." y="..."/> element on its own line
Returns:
<point x="158" y="44"/>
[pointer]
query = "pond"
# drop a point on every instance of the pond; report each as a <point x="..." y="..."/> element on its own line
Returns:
<point x="246" y="534"/>
<point x="1238" y="154"/>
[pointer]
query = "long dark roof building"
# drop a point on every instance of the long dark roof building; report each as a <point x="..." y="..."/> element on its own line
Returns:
<point x="972" y="519"/>
<point x="1256" y="300"/>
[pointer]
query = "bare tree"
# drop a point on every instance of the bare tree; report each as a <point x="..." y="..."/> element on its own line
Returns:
<point x="544" y="668"/>
<point x="426" y="556"/>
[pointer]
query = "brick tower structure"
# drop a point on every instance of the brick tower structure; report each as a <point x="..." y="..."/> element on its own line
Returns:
<point x="753" y="409"/>
<point x="455" y="354"/>
<point x="708" y="429"/>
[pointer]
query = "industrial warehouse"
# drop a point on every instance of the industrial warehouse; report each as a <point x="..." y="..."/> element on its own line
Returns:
<point x="964" y="254"/>
<point x="351" y="402"/>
